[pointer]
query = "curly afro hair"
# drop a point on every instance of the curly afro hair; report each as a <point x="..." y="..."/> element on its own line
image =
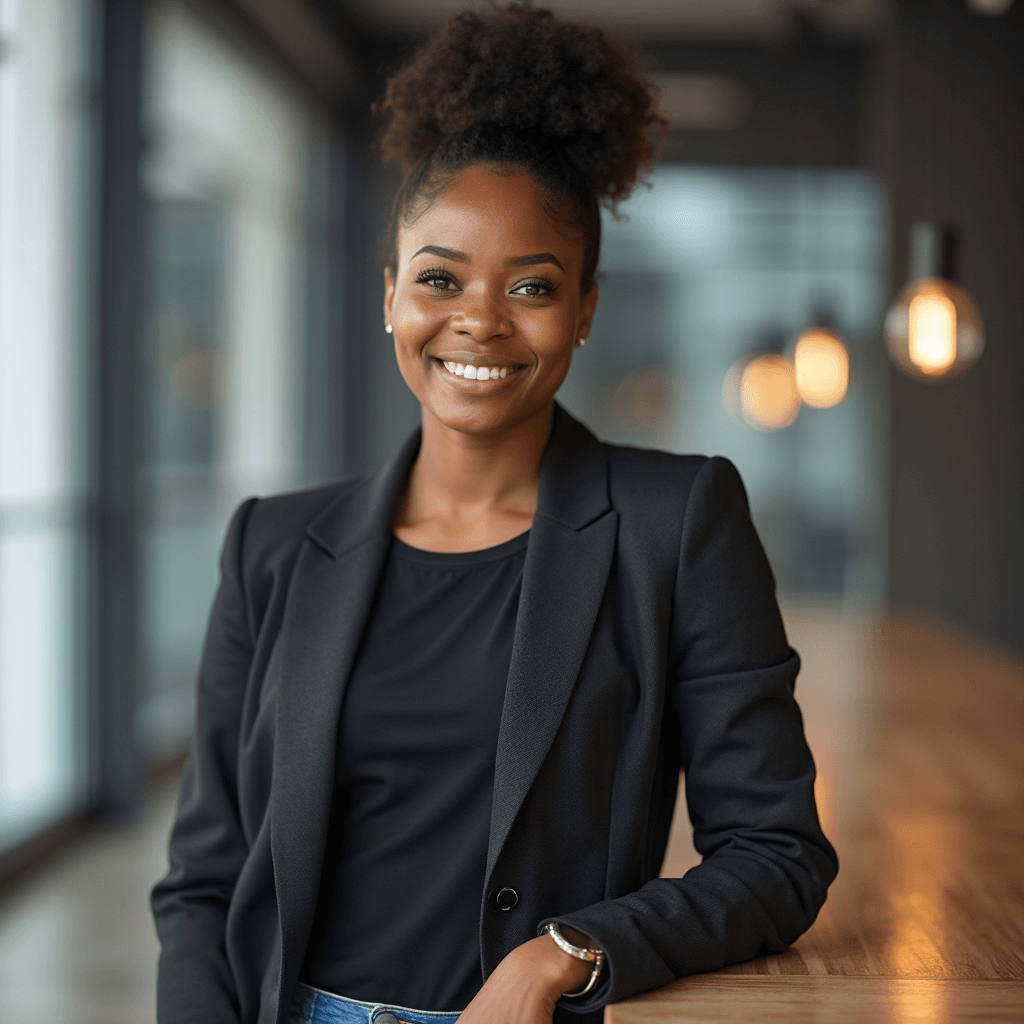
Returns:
<point x="519" y="87"/>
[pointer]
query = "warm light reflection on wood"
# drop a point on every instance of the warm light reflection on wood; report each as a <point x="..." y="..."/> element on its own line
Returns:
<point x="914" y="1004"/>
<point x="918" y="734"/>
<point x="920" y="876"/>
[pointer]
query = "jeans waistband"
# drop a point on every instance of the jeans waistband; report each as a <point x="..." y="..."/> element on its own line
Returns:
<point x="314" y="1006"/>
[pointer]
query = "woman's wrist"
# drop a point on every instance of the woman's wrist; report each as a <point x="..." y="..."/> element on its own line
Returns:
<point x="549" y="969"/>
<point x="527" y="984"/>
<point x="576" y="973"/>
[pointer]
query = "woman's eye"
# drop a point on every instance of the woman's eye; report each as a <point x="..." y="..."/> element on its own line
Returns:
<point x="438" y="280"/>
<point x="533" y="289"/>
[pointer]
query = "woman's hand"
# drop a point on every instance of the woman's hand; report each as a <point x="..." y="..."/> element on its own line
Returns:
<point x="525" y="986"/>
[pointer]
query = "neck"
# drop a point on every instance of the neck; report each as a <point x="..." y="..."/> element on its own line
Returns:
<point x="460" y="476"/>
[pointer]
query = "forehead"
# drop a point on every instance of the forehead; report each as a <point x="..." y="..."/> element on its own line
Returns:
<point x="487" y="210"/>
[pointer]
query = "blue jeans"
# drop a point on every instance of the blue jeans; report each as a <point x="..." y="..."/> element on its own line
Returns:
<point x="314" y="1006"/>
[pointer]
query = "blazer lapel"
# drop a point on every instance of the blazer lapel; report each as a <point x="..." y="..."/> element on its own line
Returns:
<point x="329" y="600"/>
<point x="568" y="559"/>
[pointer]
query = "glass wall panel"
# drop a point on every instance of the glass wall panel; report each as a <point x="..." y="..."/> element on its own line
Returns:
<point x="711" y="266"/>
<point x="43" y="316"/>
<point x="223" y="330"/>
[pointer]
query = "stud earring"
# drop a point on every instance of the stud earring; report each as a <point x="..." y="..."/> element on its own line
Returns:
<point x="581" y="342"/>
<point x="388" y="328"/>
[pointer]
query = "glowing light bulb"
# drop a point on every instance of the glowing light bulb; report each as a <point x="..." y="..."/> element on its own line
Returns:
<point x="769" y="399"/>
<point x="822" y="368"/>
<point x="931" y="331"/>
<point x="934" y="330"/>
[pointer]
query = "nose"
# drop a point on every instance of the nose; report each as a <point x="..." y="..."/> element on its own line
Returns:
<point x="482" y="315"/>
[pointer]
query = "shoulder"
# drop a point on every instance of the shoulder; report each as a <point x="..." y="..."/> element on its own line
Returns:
<point x="660" y="483"/>
<point x="276" y="525"/>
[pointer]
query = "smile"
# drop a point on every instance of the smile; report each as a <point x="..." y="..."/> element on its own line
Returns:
<point x="471" y="372"/>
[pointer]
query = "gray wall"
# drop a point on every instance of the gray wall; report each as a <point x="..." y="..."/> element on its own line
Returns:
<point x="951" y="92"/>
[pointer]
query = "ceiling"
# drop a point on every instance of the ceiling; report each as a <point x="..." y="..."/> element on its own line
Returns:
<point x="650" y="19"/>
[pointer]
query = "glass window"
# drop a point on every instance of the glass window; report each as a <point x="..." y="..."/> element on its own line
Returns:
<point x="43" y="336"/>
<point x="223" y="330"/>
<point x="709" y="267"/>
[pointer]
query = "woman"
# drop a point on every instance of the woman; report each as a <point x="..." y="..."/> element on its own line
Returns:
<point x="445" y="707"/>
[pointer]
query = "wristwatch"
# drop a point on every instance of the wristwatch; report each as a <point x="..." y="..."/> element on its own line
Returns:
<point x="593" y="956"/>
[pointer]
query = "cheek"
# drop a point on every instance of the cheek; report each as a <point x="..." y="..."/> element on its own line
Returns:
<point x="552" y="335"/>
<point x="415" y="319"/>
<point x="415" y="324"/>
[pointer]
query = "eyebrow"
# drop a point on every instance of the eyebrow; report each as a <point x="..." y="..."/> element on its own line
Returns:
<point x="446" y="254"/>
<point x="533" y="259"/>
<point x="513" y="261"/>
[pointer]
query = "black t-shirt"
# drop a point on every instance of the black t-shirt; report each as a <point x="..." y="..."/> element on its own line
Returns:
<point x="398" y="917"/>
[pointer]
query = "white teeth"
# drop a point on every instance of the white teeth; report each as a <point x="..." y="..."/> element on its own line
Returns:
<point x="477" y="372"/>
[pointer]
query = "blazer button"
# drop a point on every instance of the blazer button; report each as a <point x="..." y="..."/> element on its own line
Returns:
<point x="504" y="899"/>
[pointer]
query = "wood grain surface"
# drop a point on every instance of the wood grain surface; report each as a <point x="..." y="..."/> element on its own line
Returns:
<point x="918" y="734"/>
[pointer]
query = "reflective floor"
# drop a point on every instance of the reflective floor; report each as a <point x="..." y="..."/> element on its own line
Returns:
<point x="919" y="738"/>
<point x="76" y="942"/>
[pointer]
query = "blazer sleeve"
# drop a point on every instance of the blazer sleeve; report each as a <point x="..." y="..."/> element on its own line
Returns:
<point x="207" y="845"/>
<point x="749" y="773"/>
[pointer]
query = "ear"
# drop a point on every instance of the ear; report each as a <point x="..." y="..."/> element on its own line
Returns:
<point x="588" y="306"/>
<point x="389" y="294"/>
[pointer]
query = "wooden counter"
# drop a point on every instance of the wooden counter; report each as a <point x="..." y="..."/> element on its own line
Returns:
<point x="918" y="734"/>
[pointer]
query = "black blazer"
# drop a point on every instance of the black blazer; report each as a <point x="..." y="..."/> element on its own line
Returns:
<point x="648" y="640"/>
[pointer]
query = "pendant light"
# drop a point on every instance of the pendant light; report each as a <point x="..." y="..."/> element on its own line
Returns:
<point x="759" y="390"/>
<point x="822" y="365"/>
<point x="768" y="396"/>
<point x="934" y="330"/>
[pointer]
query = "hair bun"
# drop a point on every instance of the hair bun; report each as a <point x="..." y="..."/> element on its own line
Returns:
<point x="521" y="69"/>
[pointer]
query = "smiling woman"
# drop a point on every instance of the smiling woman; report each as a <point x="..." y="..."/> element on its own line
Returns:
<point x="484" y="338"/>
<point x="443" y="708"/>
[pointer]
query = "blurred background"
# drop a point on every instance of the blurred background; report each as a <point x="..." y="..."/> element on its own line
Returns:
<point x="190" y="295"/>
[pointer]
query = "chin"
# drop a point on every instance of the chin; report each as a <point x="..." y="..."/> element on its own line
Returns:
<point x="473" y="419"/>
<point x="481" y="418"/>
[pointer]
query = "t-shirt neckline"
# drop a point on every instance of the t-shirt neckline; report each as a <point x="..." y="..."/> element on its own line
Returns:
<point x="460" y="559"/>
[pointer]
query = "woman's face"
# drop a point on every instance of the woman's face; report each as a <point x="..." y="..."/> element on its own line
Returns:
<point x="486" y="304"/>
